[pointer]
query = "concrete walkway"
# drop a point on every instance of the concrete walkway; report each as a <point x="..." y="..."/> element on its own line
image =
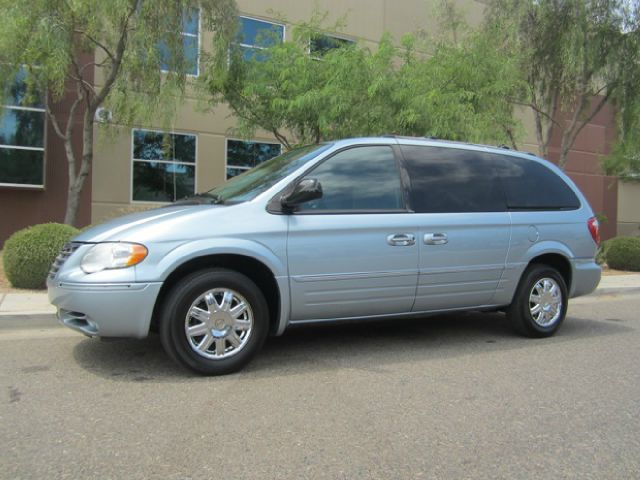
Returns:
<point x="38" y="303"/>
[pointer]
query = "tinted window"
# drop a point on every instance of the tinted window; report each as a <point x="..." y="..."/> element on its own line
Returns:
<point x="242" y="156"/>
<point x="22" y="124"/>
<point x="163" y="166"/>
<point x="321" y="44"/>
<point x="447" y="180"/>
<point x="530" y="185"/>
<point x="362" y="178"/>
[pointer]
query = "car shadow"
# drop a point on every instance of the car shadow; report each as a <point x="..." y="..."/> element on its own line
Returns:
<point x="369" y="346"/>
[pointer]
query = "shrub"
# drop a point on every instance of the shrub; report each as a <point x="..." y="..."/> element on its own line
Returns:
<point x="623" y="253"/>
<point x="29" y="253"/>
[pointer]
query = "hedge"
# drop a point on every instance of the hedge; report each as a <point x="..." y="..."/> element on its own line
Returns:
<point x="29" y="253"/>
<point x="623" y="253"/>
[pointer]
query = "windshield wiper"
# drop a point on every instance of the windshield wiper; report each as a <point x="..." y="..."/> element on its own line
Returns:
<point x="200" y="199"/>
<point x="215" y="199"/>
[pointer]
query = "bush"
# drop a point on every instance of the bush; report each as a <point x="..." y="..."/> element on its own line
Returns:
<point x="29" y="253"/>
<point x="623" y="253"/>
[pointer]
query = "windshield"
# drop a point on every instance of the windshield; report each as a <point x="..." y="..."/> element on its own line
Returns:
<point x="253" y="182"/>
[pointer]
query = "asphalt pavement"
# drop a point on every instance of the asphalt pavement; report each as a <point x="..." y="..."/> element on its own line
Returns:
<point x="454" y="397"/>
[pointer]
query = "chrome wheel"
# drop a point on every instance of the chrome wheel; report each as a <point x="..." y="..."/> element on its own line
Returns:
<point x="545" y="302"/>
<point x="219" y="323"/>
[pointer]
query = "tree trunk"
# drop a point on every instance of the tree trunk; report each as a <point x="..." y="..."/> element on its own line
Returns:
<point x="76" y="181"/>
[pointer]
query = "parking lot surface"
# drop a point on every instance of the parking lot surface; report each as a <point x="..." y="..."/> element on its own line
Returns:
<point x="452" y="396"/>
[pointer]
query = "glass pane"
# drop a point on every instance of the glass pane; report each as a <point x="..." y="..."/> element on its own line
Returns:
<point x="258" y="33"/>
<point x="23" y="128"/>
<point x="323" y="43"/>
<point x="190" y="46"/>
<point x="184" y="148"/>
<point x="190" y="21"/>
<point x="267" y="174"/>
<point x="149" y="145"/>
<point x="25" y="167"/>
<point x="256" y="54"/>
<point x="234" y="172"/>
<point x="531" y="185"/>
<point x="447" y="180"/>
<point x="362" y="178"/>
<point x="250" y="154"/>
<point x="162" y="182"/>
<point x="191" y="55"/>
<point x="16" y="94"/>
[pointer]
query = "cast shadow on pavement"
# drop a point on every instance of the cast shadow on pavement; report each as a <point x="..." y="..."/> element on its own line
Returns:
<point x="369" y="346"/>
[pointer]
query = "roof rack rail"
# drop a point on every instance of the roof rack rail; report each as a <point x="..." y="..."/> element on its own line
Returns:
<point x="410" y="137"/>
<point x="504" y="147"/>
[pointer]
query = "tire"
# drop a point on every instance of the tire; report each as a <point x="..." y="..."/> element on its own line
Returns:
<point x="214" y="321"/>
<point x="540" y="302"/>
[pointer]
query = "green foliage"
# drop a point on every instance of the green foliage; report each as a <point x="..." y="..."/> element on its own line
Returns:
<point x="574" y="56"/>
<point x="623" y="253"/>
<point x="29" y="253"/>
<point x="64" y="45"/>
<point x="51" y="38"/>
<point x="459" y="92"/>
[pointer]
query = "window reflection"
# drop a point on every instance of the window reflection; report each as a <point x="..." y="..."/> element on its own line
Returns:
<point x="362" y="178"/>
<point x="163" y="166"/>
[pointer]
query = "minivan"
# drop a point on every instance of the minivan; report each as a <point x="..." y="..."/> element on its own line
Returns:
<point x="355" y="229"/>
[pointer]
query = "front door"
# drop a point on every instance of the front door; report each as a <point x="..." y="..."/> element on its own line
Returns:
<point x="353" y="252"/>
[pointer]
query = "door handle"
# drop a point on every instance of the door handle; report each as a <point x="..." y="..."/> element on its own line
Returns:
<point x="435" y="238"/>
<point x="401" y="239"/>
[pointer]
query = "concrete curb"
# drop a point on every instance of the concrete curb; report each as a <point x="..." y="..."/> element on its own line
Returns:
<point x="615" y="291"/>
<point x="12" y="304"/>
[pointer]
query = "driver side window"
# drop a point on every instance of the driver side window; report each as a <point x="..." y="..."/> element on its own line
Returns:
<point x="361" y="178"/>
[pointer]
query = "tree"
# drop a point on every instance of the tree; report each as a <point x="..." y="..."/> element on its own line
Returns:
<point x="574" y="55"/>
<point x="136" y="48"/>
<point x="457" y="92"/>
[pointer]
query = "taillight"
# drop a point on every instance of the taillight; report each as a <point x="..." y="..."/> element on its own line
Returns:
<point x="594" y="229"/>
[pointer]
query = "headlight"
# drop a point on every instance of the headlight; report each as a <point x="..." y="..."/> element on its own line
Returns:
<point x="104" y="256"/>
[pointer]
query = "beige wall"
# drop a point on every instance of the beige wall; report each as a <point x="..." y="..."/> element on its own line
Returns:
<point x="628" y="208"/>
<point x="366" y="21"/>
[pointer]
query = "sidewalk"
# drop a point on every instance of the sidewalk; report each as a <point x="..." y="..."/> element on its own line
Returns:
<point x="38" y="303"/>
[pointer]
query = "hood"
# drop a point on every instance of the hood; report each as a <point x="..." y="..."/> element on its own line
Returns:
<point x="159" y="220"/>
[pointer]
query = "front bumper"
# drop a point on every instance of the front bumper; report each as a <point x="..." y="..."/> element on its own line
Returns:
<point x="105" y="310"/>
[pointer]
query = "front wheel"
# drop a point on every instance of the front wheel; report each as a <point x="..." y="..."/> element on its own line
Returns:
<point x="214" y="321"/>
<point x="540" y="303"/>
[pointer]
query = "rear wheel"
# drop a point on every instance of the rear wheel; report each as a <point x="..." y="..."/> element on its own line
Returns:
<point x="540" y="303"/>
<point x="214" y="321"/>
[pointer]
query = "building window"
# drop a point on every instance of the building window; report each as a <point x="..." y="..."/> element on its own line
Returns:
<point x="243" y="156"/>
<point x="321" y="44"/>
<point x="255" y="35"/>
<point x="164" y="166"/>
<point x="190" y="42"/>
<point x="22" y="121"/>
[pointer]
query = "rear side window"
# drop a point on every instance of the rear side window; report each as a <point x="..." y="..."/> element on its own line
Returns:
<point x="448" y="180"/>
<point x="530" y="185"/>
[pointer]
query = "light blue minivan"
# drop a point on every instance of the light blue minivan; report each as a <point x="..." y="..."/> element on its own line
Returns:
<point x="354" y="229"/>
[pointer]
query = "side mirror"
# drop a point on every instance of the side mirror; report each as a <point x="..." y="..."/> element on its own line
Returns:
<point x="305" y="191"/>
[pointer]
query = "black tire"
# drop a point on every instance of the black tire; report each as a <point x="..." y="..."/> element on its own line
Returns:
<point x="519" y="312"/>
<point x="178" y="303"/>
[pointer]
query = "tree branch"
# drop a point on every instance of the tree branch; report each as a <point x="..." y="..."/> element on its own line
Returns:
<point x="281" y="138"/>
<point x="116" y="62"/>
<point x="96" y="43"/>
<point x="56" y="126"/>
